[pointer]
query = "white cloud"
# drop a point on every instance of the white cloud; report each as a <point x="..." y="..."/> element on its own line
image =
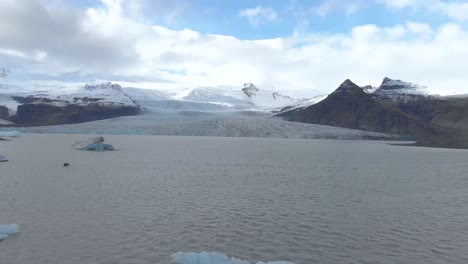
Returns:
<point x="420" y="28"/>
<point x="453" y="9"/>
<point x="259" y="15"/>
<point x="37" y="39"/>
<point x="457" y="11"/>
<point x="349" y="7"/>
<point x="399" y="3"/>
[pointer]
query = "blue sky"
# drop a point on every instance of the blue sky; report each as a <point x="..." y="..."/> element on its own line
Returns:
<point x="290" y="44"/>
<point x="332" y="16"/>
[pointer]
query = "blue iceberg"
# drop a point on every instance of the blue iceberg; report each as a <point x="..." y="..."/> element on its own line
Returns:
<point x="212" y="258"/>
<point x="94" y="144"/>
<point x="6" y="230"/>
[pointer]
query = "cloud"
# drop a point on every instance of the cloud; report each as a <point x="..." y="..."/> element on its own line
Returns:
<point x="102" y="41"/>
<point x="399" y="3"/>
<point x="453" y="9"/>
<point x="259" y="15"/>
<point x="348" y="7"/>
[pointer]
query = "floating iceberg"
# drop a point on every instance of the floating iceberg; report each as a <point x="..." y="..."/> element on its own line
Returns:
<point x="212" y="258"/>
<point x="3" y="158"/>
<point x="6" y="230"/>
<point x="95" y="144"/>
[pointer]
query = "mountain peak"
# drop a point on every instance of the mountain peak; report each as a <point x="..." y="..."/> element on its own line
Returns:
<point x="102" y="86"/>
<point x="392" y="84"/>
<point x="394" y="91"/>
<point x="348" y="87"/>
<point x="389" y="84"/>
<point x="250" y="89"/>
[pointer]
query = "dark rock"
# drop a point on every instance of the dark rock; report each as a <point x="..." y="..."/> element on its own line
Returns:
<point x="4" y="112"/>
<point x="250" y="90"/>
<point x="41" y="114"/>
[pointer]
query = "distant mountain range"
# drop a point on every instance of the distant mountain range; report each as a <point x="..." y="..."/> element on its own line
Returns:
<point x="394" y="107"/>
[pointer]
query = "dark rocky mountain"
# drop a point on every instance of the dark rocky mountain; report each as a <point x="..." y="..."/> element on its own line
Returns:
<point x="393" y="108"/>
<point x="42" y="114"/>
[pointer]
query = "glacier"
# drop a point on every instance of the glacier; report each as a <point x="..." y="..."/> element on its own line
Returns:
<point x="7" y="230"/>
<point x="9" y="133"/>
<point x="195" y="123"/>
<point x="212" y="258"/>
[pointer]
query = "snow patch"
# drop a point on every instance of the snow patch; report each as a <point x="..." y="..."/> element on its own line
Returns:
<point x="212" y="258"/>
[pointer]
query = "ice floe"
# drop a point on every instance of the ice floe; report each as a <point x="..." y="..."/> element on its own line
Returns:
<point x="212" y="258"/>
<point x="95" y="144"/>
<point x="6" y="230"/>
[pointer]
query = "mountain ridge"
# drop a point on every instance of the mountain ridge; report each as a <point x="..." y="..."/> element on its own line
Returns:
<point x="425" y="118"/>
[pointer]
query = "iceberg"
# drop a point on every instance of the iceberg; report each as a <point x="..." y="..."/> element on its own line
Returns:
<point x="6" y="230"/>
<point x="94" y="144"/>
<point x="3" y="158"/>
<point x="212" y="258"/>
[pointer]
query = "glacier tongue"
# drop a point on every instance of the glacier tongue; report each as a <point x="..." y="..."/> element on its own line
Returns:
<point x="212" y="258"/>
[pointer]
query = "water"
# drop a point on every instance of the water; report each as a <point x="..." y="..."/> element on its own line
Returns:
<point x="304" y="201"/>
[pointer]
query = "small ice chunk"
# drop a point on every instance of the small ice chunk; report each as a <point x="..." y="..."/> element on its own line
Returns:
<point x="95" y="144"/>
<point x="3" y="158"/>
<point x="6" y="230"/>
<point x="212" y="258"/>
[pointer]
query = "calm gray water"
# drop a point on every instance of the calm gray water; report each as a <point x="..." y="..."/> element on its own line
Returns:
<point x="304" y="201"/>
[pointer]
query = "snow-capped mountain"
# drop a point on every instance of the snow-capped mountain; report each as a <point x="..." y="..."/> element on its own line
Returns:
<point x="104" y="93"/>
<point x="394" y="91"/>
<point x="29" y="106"/>
<point x="401" y="86"/>
<point x="265" y="99"/>
<point x="218" y="95"/>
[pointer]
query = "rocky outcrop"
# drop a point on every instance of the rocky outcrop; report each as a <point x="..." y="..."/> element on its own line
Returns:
<point x="41" y="114"/>
<point x="4" y="113"/>
<point x="250" y="90"/>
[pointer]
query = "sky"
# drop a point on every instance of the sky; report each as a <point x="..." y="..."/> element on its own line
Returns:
<point x="300" y="45"/>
